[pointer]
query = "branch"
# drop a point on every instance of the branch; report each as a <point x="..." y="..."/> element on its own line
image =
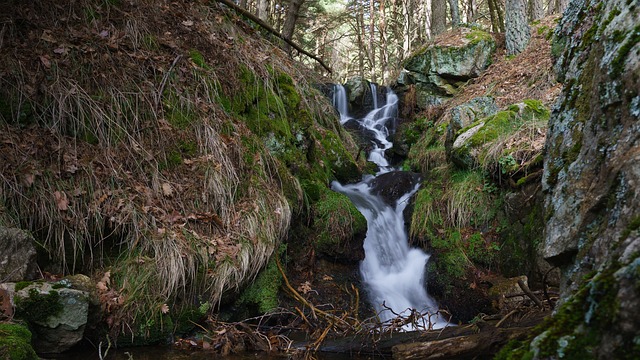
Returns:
<point x="266" y="26"/>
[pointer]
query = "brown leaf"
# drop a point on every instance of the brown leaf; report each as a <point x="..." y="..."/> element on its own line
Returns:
<point x="164" y="308"/>
<point x="45" y="61"/>
<point x="101" y="286"/>
<point x="167" y="189"/>
<point x="61" y="200"/>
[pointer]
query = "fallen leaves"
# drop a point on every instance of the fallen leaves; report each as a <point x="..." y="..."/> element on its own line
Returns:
<point x="62" y="202"/>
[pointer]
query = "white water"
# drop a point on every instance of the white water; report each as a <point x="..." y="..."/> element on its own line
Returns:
<point x="392" y="271"/>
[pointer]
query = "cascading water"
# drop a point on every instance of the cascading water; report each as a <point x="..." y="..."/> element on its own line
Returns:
<point x="392" y="271"/>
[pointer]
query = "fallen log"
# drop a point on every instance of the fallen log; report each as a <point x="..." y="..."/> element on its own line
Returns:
<point x="486" y="342"/>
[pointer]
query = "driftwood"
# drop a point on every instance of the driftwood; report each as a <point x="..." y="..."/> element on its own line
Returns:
<point x="485" y="337"/>
<point x="483" y="343"/>
<point x="266" y="26"/>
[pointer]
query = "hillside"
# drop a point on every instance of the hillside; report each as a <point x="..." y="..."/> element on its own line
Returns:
<point x="163" y="150"/>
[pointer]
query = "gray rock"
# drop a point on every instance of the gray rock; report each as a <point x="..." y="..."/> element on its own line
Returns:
<point x="441" y="69"/>
<point x="60" y="330"/>
<point x="592" y="177"/>
<point x="17" y="255"/>
<point x="466" y="114"/>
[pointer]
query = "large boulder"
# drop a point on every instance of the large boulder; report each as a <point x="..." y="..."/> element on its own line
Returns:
<point x="441" y="68"/>
<point x="592" y="185"/>
<point x="56" y="314"/>
<point x="361" y="96"/>
<point x="466" y="114"/>
<point x="17" y="255"/>
<point x="508" y="143"/>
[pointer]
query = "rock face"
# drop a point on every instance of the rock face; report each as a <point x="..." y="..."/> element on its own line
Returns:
<point x="592" y="184"/>
<point x="440" y="69"/>
<point x="393" y="185"/>
<point x="360" y="98"/>
<point x="56" y="314"/>
<point x="17" y="255"/>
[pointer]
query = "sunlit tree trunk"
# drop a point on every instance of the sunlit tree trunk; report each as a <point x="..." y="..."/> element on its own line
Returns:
<point x="243" y="3"/>
<point x="359" y="38"/>
<point x="517" y="32"/>
<point x="407" y="13"/>
<point x="455" y="13"/>
<point x="438" y="17"/>
<point x="382" y="25"/>
<point x="372" y="36"/>
<point x="263" y="6"/>
<point x="536" y="10"/>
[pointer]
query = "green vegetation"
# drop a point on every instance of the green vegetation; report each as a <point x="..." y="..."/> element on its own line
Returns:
<point x="15" y="343"/>
<point x="261" y="296"/>
<point x="336" y="220"/>
<point x="38" y="307"/>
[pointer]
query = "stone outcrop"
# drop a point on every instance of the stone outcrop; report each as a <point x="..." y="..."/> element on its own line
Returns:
<point x="441" y="68"/>
<point x="17" y="255"/>
<point x="592" y="184"/>
<point x="56" y="314"/>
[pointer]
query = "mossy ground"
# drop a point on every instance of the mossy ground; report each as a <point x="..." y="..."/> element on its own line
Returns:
<point x="15" y="343"/>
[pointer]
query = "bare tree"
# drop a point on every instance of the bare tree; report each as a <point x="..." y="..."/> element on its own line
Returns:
<point x="517" y="32"/>
<point x="536" y="10"/>
<point x="263" y="7"/>
<point x="438" y="17"/>
<point x="455" y="13"/>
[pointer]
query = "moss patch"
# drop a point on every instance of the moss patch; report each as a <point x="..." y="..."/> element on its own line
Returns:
<point x="38" y="307"/>
<point x="15" y="343"/>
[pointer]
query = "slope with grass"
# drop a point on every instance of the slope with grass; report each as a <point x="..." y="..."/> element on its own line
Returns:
<point x="479" y="210"/>
<point x="163" y="148"/>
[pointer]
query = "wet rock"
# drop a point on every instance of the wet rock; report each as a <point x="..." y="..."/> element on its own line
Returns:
<point x="55" y="313"/>
<point x="392" y="185"/>
<point x="17" y="255"/>
<point x="360" y="97"/>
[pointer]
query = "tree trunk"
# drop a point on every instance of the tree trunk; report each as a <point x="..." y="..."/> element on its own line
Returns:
<point x="455" y="13"/>
<point x="536" y="10"/>
<point x="290" y="21"/>
<point x="372" y="36"/>
<point x="561" y="5"/>
<point x="407" y="8"/>
<point x="263" y="14"/>
<point x="438" y="17"/>
<point x="517" y="29"/>
<point x="497" y="19"/>
<point x="382" y="25"/>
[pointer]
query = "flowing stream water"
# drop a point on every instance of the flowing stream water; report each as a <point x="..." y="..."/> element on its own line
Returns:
<point x="392" y="271"/>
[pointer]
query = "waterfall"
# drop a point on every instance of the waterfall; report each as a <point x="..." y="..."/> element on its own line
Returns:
<point x="392" y="271"/>
<point x="340" y="102"/>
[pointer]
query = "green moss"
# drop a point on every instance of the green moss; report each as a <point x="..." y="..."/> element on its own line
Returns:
<point x="22" y="284"/>
<point x="617" y="65"/>
<point x="38" y="307"/>
<point x="336" y="220"/>
<point x="198" y="58"/>
<point x="476" y="36"/>
<point x="262" y="294"/>
<point x="634" y="225"/>
<point x="15" y="343"/>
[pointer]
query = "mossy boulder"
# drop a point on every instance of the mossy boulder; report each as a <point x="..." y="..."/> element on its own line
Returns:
<point x="339" y="228"/>
<point x="466" y="114"/>
<point x="56" y="314"/>
<point x="15" y="343"/>
<point x="507" y="144"/>
<point x="442" y="67"/>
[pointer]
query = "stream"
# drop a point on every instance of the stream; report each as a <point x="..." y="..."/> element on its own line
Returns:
<point x="392" y="271"/>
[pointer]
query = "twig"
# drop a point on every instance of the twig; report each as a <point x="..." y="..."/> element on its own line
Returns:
<point x="265" y="26"/>
<point x="506" y="317"/>
<point x="531" y="295"/>
<point x="163" y="83"/>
